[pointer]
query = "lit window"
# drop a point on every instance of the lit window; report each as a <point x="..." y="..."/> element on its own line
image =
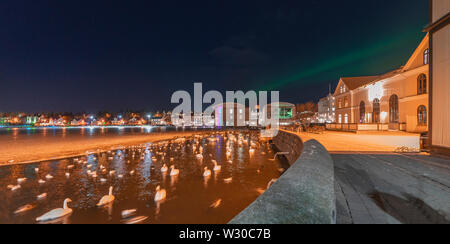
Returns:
<point x="345" y="102"/>
<point x="393" y="109"/>
<point x="422" y="115"/>
<point x="426" y="56"/>
<point x="422" y="84"/>
<point x="376" y="111"/>
<point x="362" y="112"/>
<point x="340" y="118"/>
<point x="346" y="118"/>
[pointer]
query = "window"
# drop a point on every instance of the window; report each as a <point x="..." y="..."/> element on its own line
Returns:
<point x="422" y="115"/>
<point x="346" y="118"/>
<point x="422" y="84"/>
<point x="393" y="109"/>
<point x="426" y="56"/>
<point x="376" y="111"/>
<point x="345" y="102"/>
<point x="340" y="103"/>
<point x="362" y="112"/>
<point x="340" y="119"/>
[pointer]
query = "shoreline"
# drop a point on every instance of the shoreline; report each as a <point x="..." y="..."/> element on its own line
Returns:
<point x="80" y="147"/>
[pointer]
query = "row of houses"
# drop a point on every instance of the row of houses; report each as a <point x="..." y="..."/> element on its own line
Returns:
<point x="105" y="119"/>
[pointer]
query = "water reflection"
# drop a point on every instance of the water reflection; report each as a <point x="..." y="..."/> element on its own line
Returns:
<point x="135" y="173"/>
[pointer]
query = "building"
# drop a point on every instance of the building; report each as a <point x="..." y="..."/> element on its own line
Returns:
<point x="439" y="31"/>
<point x="286" y="113"/>
<point x="327" y="110"/>
<point x="397" y="100"/>
<point x="228" y="114"/>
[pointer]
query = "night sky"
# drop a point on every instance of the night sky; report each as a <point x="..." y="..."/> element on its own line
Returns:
<point x="115" y="55"/>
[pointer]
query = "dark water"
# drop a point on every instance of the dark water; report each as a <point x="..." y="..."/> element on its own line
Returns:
<point x="190" y="196"/>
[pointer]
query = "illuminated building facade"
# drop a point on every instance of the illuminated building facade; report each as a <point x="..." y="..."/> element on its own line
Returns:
<point x="327" y="109"/>
<point x="397" y="100"/>
<point x="286" y="113"/>
<point x="439" y="31"/>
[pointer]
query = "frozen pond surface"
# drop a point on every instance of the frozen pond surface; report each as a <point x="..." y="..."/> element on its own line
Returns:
<point x="135" y="172"/>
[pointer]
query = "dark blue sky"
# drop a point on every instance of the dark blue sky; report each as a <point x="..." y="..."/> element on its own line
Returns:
<point x="97" y="55"/>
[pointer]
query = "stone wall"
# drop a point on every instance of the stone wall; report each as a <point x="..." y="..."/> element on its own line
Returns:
<point x="304" y="194"/>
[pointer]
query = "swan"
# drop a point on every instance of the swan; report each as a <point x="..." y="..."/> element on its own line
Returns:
<point x="129" y="212"/>
<point x="70" y="166"/>
<point x="173" y="171"/>
<point x="36" y="170"/>
<point x="132" y="172"/>
<point x="67" y="175"/>
<point x="14" y="188"/>
<point x="25" y="208"/>
<point x="228" y="180"/>
<point x="49" y="176"/>
<point x="206" y="172"/>
<point x="216" y="167"/>
<point x="112" y="172"/>
<point x="160" y="194"/>
<point x="56" y="213"/>
<point x="216" y="204"/>
<point x="42" y="196"/>
<point x="106" y="199"/>
<point x="40" y="181"/>
<point x="21" y="180"/>
<point x="120" y="176"/>
<point x="164" y="168"/>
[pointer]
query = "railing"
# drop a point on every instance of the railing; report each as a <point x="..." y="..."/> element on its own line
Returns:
<point x="365" y="127"/>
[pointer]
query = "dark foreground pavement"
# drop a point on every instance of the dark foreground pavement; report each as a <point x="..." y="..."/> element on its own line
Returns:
<point x="391" y="188"/>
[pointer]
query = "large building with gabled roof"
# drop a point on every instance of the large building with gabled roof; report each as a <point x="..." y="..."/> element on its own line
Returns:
<point x="397" y="100"/>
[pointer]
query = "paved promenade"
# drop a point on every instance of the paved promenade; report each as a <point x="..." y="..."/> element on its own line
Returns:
<point x="376" y="186"/>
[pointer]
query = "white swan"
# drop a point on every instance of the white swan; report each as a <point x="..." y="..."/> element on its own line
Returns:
<point x="40" y="181"/>
<point x="132" y="172"/>
<point x="106" y="199"/>
<point x="49" y="176"/>
<point x="173" y="171"/>
<point x="25" y="208"/>
<point x="228" y="180"/>
<point x="216" y="204"/>
<point x="164" y="168"/>
<point x="206" y="172"/>
<point x="36" y="170"/>
<point x="216" y="167"/>
<point x="129" y="212"/>
<point x="160" y="194"/>
<point x="42" y="196"/>
<point x="56" y="213"/>
<point x="14" y="188"/>
<point x="21" y="180"/>
<point x="103" y="180"/>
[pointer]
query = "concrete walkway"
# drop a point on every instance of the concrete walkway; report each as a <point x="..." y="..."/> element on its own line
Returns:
<point x="391" y="188"/>
<point x="373" y="185"/>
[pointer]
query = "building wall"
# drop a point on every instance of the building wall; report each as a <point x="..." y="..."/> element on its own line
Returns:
<point x="440" y="9"/>
<point x="441" y="79"/>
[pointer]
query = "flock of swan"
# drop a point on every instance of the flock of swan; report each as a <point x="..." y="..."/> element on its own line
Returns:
<point x="157" y="149"/>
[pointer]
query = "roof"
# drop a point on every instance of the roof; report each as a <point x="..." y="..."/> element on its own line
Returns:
<point x="355" y="82"/>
